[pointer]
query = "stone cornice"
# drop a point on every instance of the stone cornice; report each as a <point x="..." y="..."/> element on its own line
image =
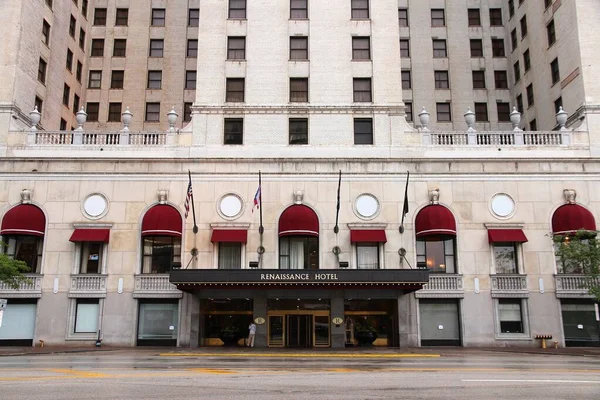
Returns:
<point x="242" y="108"/>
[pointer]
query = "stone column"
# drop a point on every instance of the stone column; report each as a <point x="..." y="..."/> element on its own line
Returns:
<point x="260" y="310"/>
<point x="190" y="320"/>
<point x="338" y="332"/>
<point x="407" y="320"/>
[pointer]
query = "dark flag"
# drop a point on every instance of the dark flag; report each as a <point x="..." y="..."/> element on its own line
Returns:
<point x="189" y="198"/>
<point x="336" y="229"/>
<point x="405" y="207"/>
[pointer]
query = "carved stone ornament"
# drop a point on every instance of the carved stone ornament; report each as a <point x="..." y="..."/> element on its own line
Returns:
<point x="434" y="196"/>
<point x="163" y="195"/>
<point x="25" y="196"/>
<point x="570" y="195"/>
<point x="298" y="196"/>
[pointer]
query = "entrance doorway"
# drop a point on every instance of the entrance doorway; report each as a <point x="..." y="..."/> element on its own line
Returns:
<point x="293" y="329"/>
<point x="299" y="333"/>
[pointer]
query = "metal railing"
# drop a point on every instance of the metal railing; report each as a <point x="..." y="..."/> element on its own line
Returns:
<point x="148" y="285"/>
<point x="574" y="285"/>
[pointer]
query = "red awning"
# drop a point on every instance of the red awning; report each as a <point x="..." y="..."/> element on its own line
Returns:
<point x="435" y="220"/>
<point x="90" y="235"/>
<point x="367" y="235"/>
<point x="506" y="235"/>
<point x="24" y="219"/>
<point x="298" y="220"/>
<point x="570" y="218"/>
<point x="162" y="220"/>
<point x="229" y="236"/>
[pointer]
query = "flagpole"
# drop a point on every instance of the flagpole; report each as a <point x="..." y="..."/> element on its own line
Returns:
<point x="405" y="204"/>
<point x="261" y="229"/>
<point x="336" y="228"/>
<point x="195" y="229"/>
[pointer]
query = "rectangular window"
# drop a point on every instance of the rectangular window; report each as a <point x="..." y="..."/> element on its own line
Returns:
<point x="116" y="80"/>
<point x="152" y="112"/>
<point x="237" y="9"/>
<point x="526" y="60"/>
<point x="520" y="103"/>
<point x="84" y="8"/>
<point x="443" y="112"/>
<point x="66" y="95"/>
<point x="363" y="131"/>
<point x="496" y="17"/>
<point x="122" y="17"/>
<point x="367" y="255"/>
<point x="360" y="9"/>
<point x="476" y="48"/>
<point x="555" y="71"/>
<point x="42" y="66"/>
<point x="474" y="17"/>
<point x="93" y="111"/>
<point x="511" y="8"/>
<point x="75" y="103"/>
<point x="298" y="131"/>
<point x="551" y="33"/>
<point x="236" y="48"/>
<point x="38" y="103"/>
<point x="79" y="71"/>
<point x="230" y="255"/>
<point x="193" y="17"/>
<point x="530" y="96"/>
<point x="510" y="316"/>
<point x="558" y="104"/>
<point x="403" y="17"/>
<point x="97" y="48"/>
<point x="46" y="32"/>
<point x="406" y="79"/>
<point x="192" y="48"/>
<point x="439" y="48"/>
<point x="63" y="125"/>
<point x="361" y="48"/>
<point x="91" y="258"/>
<point x="234" y="92"/>
<point x="25" y="248"/>
<point x="517" y="71"/>
<point x="298" y="90"/>
<point x="120" y="48"/>
<point x="81" y="39"/>
<point x="478" y="79"/>
<point x="95" y="79"/>
<point x="498" y="48"/>
<point x="437" y="17"/>
<point x="86" y="315"/>
<point x="114" y="112"/>
<point x="233" y="131"/>
<point x="533" y="125"/>
<point x="523" y="27"/>
<point x="408" y="110"/>
<point x="299" y="48"/>
<point x="481" y="112"/>
<point x="49" y="3"/>
<point x="436" y="254"/>
<point x="156" y="47"/>
<point x="72" y="26"/>
<point x="362" y="90"/>
<point x="100" y="16"/>
<point x="442" y="80"/>
<point x="187" y="112"/>
<point x="298" y="9"/>
<point x="503" y="110"/>
<point x="500" y="79"/>
<point x="69" y="63"/>
<point x="547" y="3"/>
<point x="190" y="80"/>
<point x="404" y="48"/>
<point x="513" y="39"/>
<point x="158" y="17"/>
<point x="154" y="80"/>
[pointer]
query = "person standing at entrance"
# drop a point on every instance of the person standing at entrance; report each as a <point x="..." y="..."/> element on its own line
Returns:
<point x="251" y="334"/>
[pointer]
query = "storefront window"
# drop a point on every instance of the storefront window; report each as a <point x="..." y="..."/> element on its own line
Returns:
<point x="225" y="317"/>
<point x="161" y="253"/>
<point x="298" y="252"/>
<point x="158" y="322"/>
<point x="437" y="253"/>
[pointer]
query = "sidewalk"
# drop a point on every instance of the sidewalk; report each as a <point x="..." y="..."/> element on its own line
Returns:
<point x="328" y="352"/>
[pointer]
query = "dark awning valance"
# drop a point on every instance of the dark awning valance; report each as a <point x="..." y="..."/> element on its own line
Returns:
<point x="435" y="220"/>
<point x="570" y="218"/>
<point x="90" y="235"/>
<point x="298" y="220"/>
<point x="162" y="220"/>
<point x="24" y="219"/>
<point x="506" y="236"/>
<point x="367" y="235"/>
<point x="229" y="236"/>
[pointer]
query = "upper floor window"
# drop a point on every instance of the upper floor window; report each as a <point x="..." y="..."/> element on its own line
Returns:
<point x="476" y="47"/>
<point x="160" y="254"/>
<point x="81" y="39"/>
<point x="49" y="3"/>
<point x="190" y="80"/>
<point x="298" y="128"/>
<point x="478" y="79"/>
<point x="236" y="48"/>
<point x="362" y="90"/>
<point x="122" y="17"/>
<point x="514" y="39"/>
<point x="523" y="27"/>
<point x="437" y="253"/>
<point x="500" y="80"/>
<point x="234" y="92"/>
<point x="404" y="48"/>
<point x="91" y="258"/>
<point x="298" y="9"/>
<point x="158" y="17"/>
<point x="230" y="255"/>
<point x="42" y="71"/>
<point x="367" y="255"/>
<point x="120" y="48"/>
<point x="193" y="17"/>
<point x="299" y="90"/>
<point x="503" y="111"/>
<point x="363" y="131"/>
<point x="233" y="131"/>
<point x="360" y="9"/>
<point x="498" y="48"/>
<point x="72" y="25"/>
<point x="46" y="32"/>
<point x="403" y="17"/>
<point x="496" y="17"/>
<point x="555" y="71"/>
<point x="237" y="9"/>
<point x="117" y="79"/>
<point x="152" y="112"/>
<point x="156" y="47"/>
<point x="551" y="33"/>
<point x="361" y="48"/>
<point x="474" y="16"/>
<point x="481" y="112"/>
<point x="298" y="48"/>
<point x="505" y="258"/>
<point x="526" y="60"/>
<point x="97" y="48"/>
<point x="439" y="48"/>
<point x="25" y="248"/>
<point x="93" y="111"/>
<point x="114" y="112"/>
<point x="443" y="112"/>
<point x="442" y="79"/>
<point x="438" y="17"/>
<point x="517" y="71"/>
<point x="511" y="8"/>
<point x="192" y="48"/>
<point x="100" y="16"/>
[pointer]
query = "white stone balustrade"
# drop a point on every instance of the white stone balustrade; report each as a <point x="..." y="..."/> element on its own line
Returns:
<point x="157" y="286"/>
<point x="509" y="286"/>
<point x="88" y="285"/>
<point x="442" y="285"/>
<point x="514" y="138"/>
<point x="30" y="289"/>
<point x="573" y="285"/>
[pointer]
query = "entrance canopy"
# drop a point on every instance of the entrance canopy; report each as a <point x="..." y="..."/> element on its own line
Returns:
<point x="162" y="220"/>
<point x="570" y="218"/>
<point x="24" y="219"/>
<point x="298" y="220"/>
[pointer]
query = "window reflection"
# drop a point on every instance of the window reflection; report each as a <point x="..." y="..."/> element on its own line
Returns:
<point x="437" y="253"/>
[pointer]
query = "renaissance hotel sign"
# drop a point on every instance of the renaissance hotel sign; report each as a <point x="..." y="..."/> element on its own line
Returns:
<point x="314" y="276"/>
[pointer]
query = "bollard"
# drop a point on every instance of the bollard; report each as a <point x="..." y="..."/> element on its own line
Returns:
<point x="41" y="343"/>
<point x="556" y="344"/>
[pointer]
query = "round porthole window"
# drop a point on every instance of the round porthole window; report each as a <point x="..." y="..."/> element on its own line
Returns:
<point x="95" y="206"/>
<point x="366" y="206"/>
<point x="230" y="206"/>
<point x="502" y="206"/>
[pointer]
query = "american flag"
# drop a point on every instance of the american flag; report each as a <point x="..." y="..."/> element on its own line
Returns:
<point x="256" y="199"/>
<point x="187" y="199"/>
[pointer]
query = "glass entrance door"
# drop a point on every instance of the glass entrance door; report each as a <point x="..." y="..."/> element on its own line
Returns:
<point x="299" y="330"/>
<point x="276" y="331"/>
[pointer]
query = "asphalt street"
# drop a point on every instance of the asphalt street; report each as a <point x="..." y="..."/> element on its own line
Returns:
<point x="152" y="375"/>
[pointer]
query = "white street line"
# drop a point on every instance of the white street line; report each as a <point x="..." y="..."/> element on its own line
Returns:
<point x="529" y="380"/>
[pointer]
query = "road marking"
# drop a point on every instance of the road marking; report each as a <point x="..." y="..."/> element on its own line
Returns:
<point x="82" y="374"/>
<point x="300" y="355"/>
<point x="213" y="371"/>
<point x="529" y="380"/>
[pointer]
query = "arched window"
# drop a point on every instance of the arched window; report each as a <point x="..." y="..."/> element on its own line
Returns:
<point x="161" y="240"/>
<point x="566" y="221"/>
<point x="23" y="229"/>
<point x="436" y="239"/>
<point x="299" y="238"/>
